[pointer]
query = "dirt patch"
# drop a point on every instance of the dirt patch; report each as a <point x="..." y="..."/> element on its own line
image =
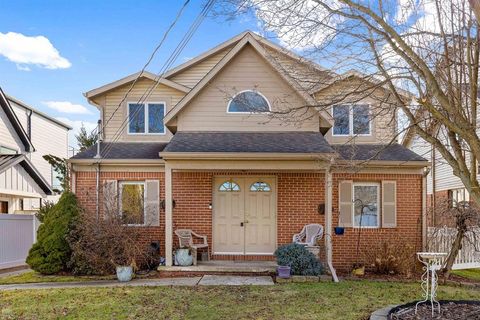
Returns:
<point x="449" y="310"/>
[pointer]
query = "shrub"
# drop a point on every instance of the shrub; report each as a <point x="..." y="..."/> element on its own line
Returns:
<point x="51" y="252"/>
<point x="301" y="261"/>
<point x="391" y="257"/>
<point x="99" y="245"/>
<point x="46" y="207"/>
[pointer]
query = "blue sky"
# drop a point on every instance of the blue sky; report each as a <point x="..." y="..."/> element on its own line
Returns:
<point x="97" y="42"/>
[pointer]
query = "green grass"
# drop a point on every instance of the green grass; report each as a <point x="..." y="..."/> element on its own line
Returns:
<point x="345" y="300"/>
<point x="472" y="274"/>
<point x="34" y="277"/>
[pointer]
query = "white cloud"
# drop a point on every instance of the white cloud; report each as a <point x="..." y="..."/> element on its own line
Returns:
<point x="76" y="125"/>
<point x="35" y="50"/>
<point x="67" y="107"/>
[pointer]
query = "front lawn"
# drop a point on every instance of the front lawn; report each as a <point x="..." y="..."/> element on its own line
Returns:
<point x="34" y="277"/>
<point x="471" y="274"/>
<point x="345" y="300"/>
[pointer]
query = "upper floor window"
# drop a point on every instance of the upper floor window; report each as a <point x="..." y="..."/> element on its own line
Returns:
<point x="248" y="102"/>
<point x="146" y="118"/>
<point x="351" y="120"/>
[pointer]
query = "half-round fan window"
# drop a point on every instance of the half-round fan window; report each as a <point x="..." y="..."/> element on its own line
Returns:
<point x="248" y="102"/>
<point x="260" y="186"/>
<point x="229" y="186"/>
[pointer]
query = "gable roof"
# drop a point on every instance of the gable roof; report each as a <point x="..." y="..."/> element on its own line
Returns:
<point x="44" y="115"/>
<point x="145" y="74"/>
<point x="247" y="39"/>
<point x="8" y="161"/>
<point x="17" y="126"/>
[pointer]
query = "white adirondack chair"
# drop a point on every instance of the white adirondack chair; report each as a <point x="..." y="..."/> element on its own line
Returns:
<point x="185" y="239"/>
<point x="309" y="235"/>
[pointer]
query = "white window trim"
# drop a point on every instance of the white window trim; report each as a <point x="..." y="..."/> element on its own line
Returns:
<point x="147" y="106"/>
<point x="376" y="184"/>
<point x="121" y="184"/>
<point x="350" y="122"/>
<point x="255" y="91"/>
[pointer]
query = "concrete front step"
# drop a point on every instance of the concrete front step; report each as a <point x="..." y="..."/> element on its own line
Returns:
<point x="225" y="267"/>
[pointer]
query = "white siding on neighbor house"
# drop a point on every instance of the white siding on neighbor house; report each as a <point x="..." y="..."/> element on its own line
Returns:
<point x="246" y="71"/>
<point x="16" y="181"/>
<point x="423" y="149"/>
<point x="8" y="136"/>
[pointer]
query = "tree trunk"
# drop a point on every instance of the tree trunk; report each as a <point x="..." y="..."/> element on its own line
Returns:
<point x="456" y="246"/>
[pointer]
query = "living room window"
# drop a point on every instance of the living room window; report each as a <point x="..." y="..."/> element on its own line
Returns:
<point x="351" y="120"/>
<point x="366" y="205"/>
<point x="132" y="202"/>
<point x="248" y="101"/>
<point x="146" y="118"/>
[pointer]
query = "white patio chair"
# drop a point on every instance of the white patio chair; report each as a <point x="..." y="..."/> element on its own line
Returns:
<point x="185" y="239"/>
<point x="309" y="235"/>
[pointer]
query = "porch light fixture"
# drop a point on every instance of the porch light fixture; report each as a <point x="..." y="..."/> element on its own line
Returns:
<point x="210" y="206"/>
<point x="321" y="209"/>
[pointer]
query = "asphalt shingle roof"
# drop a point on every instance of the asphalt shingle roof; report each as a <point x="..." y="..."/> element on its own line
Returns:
<point x="262" y="142"/>
<point x="382" y="152"/>
<point x="124" y="150"/>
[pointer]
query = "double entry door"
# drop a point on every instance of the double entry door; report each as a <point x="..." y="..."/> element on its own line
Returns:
<point x="244" y="215"/>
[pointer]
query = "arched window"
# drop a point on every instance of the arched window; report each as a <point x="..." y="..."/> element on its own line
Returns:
<point x="260" y="186"/>
<point x="229" y="186"/>
<point x="248" y="101"/>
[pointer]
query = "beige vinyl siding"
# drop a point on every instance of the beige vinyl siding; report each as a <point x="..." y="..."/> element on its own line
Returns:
<point x="384" y="123"/>
<point x="191" y="76"/>
<point x="21" y="113"/>
<point x="247" y="71"/>
<point x="8" y="135"/>
<point x="113" y="98"/>
<point x="15" y="180"/>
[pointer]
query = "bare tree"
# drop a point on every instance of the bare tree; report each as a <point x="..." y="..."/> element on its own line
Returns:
<point x="429" y="48"/>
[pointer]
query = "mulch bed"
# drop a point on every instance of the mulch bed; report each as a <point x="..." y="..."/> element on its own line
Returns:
<point x="449" y="310"/>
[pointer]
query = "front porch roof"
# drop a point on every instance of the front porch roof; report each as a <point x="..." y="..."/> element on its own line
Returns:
<point x="123" y="151"/>
<point x="249" y="142"/>
<point x="377" y="152"/>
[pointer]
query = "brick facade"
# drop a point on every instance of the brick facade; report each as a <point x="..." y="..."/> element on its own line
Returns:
<point x="298" y="197"/>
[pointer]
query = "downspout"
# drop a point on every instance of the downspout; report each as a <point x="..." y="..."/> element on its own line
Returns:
<point x="328" y="221"/>
<point x="29" y="123"/>
<point x="98" y="156"/>
<point x="434" y="189"/>
<point x="424" y="209"/>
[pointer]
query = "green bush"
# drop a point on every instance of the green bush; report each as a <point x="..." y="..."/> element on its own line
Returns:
<point x="301" y="261"/>
<point x="44" y="210"/>
<point x="51" y="252"/>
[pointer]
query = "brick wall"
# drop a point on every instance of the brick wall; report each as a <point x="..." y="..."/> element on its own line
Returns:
<point x="298" y="197"/>
<point x="409" y="220"/>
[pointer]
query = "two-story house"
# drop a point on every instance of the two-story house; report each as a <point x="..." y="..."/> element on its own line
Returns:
<point x="26" y="135"/>
<point x="203" y="148"/>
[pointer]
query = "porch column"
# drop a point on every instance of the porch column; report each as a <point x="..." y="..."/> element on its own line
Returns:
<point x="168" y="215"/>
<point x="328" y="223"/>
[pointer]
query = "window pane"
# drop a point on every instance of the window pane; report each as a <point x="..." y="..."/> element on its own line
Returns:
<point x="229" y="186"/>
<point x="366" y="197"/>
<point x="133" y="203"/>
<point x="341" y="120"/>
<point x="248" y="101"/>
<point x="361" y="119"/>
<point x="260" y="186"/>
<point x="136" y="118"/>
<point x="156" y="112"/>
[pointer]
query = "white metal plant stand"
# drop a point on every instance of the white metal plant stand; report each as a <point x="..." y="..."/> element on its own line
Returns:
<point x="433" y="262"/>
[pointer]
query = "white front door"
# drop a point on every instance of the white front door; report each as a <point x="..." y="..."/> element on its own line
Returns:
<point x="244" y="215"/>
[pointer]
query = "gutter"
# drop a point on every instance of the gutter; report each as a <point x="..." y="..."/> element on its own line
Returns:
<point x="244" y="155"/>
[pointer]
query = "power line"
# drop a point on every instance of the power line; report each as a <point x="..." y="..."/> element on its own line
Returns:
<point x="182" y="44"/>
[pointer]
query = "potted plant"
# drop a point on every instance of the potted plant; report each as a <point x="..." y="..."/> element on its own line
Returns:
<point x="183" y="256"/>
<point x="284" y="272"/>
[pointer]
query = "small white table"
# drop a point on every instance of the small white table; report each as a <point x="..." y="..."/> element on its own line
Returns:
<point x="433" y="262"/>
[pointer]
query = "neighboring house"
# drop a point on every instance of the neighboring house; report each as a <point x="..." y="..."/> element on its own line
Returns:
<point x="442" y="184"/>
<point x="25" y="136"/>
<point x="206" y="152"/>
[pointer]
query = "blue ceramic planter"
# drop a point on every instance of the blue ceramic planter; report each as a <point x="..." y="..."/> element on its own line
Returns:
<point x="283" y="272"/>
<point x="183" y="257"/>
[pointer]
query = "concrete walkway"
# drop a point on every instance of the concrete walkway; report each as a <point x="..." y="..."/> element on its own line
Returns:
<point x="190" y="281"/>
<point x="13" y="272"/>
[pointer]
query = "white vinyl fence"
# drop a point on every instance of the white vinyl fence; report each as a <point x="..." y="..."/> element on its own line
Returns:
<point x="17" y="234"/>
<point x="441" y="239"/>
